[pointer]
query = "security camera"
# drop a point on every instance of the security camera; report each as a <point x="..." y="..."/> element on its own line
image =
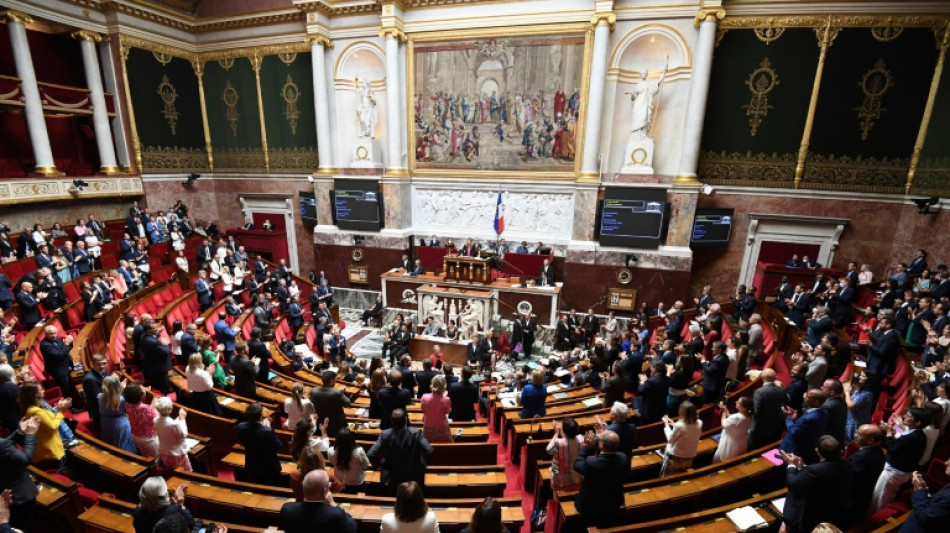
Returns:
<point x="924" y="205"/>
<point x="708" y="189"/>
<point x="192" y="178"/>
<point x="310" y="178"/>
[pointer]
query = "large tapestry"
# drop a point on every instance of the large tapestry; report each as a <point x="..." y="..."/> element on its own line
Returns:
<point x="287" y="90"/>
<point x="497" y="103"/>
<point x="234" y="119"/>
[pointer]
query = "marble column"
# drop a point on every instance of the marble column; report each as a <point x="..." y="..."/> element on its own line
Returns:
<point x="32" y="104"/>
<point x="88" y="42"/>
<point x="321" y="102"/>
<point x="590" y="164"/>
<point x="394" y="125"/>
<point x="682" y="212"/>
<point x="707" y="20"/>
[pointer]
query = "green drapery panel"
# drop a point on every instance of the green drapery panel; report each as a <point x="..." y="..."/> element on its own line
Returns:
<point x="167" y="108"/>
<point x="233" y="115"/>
<point x="872" y="99"/>
<point x="933" y="172"/>
<point x="287" y="89"/>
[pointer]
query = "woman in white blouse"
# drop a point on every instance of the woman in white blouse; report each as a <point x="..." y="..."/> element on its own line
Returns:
<point x="682" y="439"/>
<point x="178" y="241"/>
<point x="734" y="440"/>
<point x="410" y="514"/>
<point x="172" y="432"/>
<point x="297" y="406"/>
<point x="237" y="272"/>
<point x="865" y="276"/>
<point x="227" y="280"/>
<point x="349" y="461"/>
<point x="201" y="386"/>
<point x="215" y="269"/>
<point x="182" y="262"/>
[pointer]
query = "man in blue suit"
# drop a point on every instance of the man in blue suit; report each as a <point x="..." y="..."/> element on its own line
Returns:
<point x="203" y="288"/>
<point x="225" y="335"/>
<point x="803" y="431"/>
<point x="818" y="326"/>
<point x="930" y="510"/>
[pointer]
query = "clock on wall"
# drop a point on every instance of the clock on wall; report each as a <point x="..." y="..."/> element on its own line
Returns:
<point x="357" y="254"/>
<point x="624" y="276"/>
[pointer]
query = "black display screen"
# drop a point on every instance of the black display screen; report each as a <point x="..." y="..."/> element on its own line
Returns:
<point x="308" y="207"/>
<point x="356" y="205"/>
<point x="712" y="226"/>
<point x="632" y="217"/>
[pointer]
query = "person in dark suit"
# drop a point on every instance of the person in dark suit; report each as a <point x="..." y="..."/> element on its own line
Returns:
<point x="260" y="269"/>
<point x="767" y="415"/>
<point x="841" y="302"/>
<point x="424" y="377"/>
<point x="329" y="403"/>
<point x="903" y="456"/>
<point x="56" y="358"/>
<point x="16" y="477"/>
<point x="836" y="407"/>
<point x="601" y="492"/>
<point x="225" y="335"/>
<point x="529" y="326"/>
<point x="92" y="385"/>
<point x="616" y="386"/>
<point x="818" y="326"/>
<point x="866" y="465"/>
<point x="156" y="355"/>
<point x="405" y="263"/>
<point x="815" y="490"/>
<point x="714" y="374"/>
<point x="391" y="398"/>
<point x="203" y="289"/>
<point x="653" y="392"/>
<point x="464" y="396"/>
<point x="92" y="301"/>
<point x="317" y="511"/>
<point x="882" y="352"/>
<point x="6" y="297"/>
<point x="296" y="313"/>
<point x="930" y="510"/>
<point x="245" y="371"/>
<point x="81" y="258"/>
<point x="417" y="269"/>
<point x="804" y="430"/>
<point x="261" y="447"/>
<point x="400" y="453"/>
<point x="189" y="343"/>
<point x="625" y="429"/>
<point x="590" y="326"/>
<point x="258" y="351"/>
<point x="29" y="305"/>
<point x="547" y="272"/>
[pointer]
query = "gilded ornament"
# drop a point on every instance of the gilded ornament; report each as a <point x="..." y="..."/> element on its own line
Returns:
<point x="291" y="93"/>
<point x="162" y="57"/>
<point x="857" y="174"/>
<point x="875" y="83"/>
<point x="292" y="159"/>
<point x="173" y="159"/>
<point x="886" y="34"/>
<point x="761" y="82"/>
<point x="287" y="58"/>
<point x="768" y="35"/>
<point x="231" y="97"/>
<point x="226" y="63"/>
<point x="169" y="95"/>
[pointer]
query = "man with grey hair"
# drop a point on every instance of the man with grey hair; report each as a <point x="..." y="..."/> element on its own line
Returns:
<point x="317" y="511"/>
<point x="156" y="503"/>
<point x="621" y="425"/>
<point x="9" y="392"/>
<point x="604" y="469"/>
<point x="756" y="338"/>
<point x="56" y="359"/>
<point x="767" y="418"/>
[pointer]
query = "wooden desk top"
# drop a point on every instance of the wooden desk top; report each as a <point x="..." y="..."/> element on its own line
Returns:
<point x="499" y="284"/>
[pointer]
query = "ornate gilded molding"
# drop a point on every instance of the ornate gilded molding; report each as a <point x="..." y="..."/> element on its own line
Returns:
<point x="840" y="21"/>
<point x="394" y="33"/>
<point x="34" y="190"/>
<point x="293" y="159"/>
<point x="320" y="40"/>
<point x="858" y="174"/>
<point x="258" y="51"/>
<point x="755" y="170"/>
<point x="874" y="84"/>
<point x="248" y="22"/>
<point x="932" y="177"/>
<point x="12" y="15"/>
<point x="333" y="10"/>
<point x="290" y="93"/>
<point x="609" y="18"/>
<point x="760" y="83"/>
<point x="126" y="42"/>
<point x="173" y="160"/>
<point x="709" y="14"/>
<point x="230" y="97"/>
<point x="169" y="96"/>
<point x="239" y="160"/>
<point x="86" y="35"/>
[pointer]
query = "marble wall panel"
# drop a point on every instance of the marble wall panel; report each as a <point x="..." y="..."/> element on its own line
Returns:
<point x="585" y="285"/>
<point x="19" y="216"/>
<point x="336" y="259"/>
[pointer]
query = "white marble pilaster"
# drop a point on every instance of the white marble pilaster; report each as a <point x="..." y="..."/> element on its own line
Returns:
<point x="698" y="93"/>
<point x="603" y="23"/>
<point x="394" y="164"/>
<point x="32" y="104"/>
<point x="88" y="42"/>
<point x="321" y="103"/>
<point x="122" y="143"/>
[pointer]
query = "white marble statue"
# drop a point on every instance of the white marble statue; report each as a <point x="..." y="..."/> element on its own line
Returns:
<point x="365" y="108"/>
<point x="432" y="307"/>
<point x="643" y="100"/>
<point x="471" y="319"/>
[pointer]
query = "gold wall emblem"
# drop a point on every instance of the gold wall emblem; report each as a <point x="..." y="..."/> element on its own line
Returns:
<point x="886" y="34"/>
<point x="761" y="82"/>
<point x="162" y="57"/>
<point x="287" y="57"/>
<point x="231" y="97"/>
<point x="226" y="63"/>
<point x="875" y="83"/>
<point x="169" y="95"/>
<point x="768" y="34"/>
<point x="291" y="93"/>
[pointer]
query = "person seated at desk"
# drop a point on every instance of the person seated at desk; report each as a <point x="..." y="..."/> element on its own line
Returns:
<point x="249" y="224"/>
<point x="267" y="226"/>
<point x="522" y="248"/>
<point x="793" y="262"/>
<point x="470" y="249"/>
<point x="432" y="327"/>
<point x="809" y="264"/>
<point x="405" y="264"/>
<point x="373" y="312"/>
<point x="416" y="269"/>
<point x="452" y="332"/>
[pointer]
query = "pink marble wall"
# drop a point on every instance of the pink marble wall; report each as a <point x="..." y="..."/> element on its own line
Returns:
<point x="879" y="234"/>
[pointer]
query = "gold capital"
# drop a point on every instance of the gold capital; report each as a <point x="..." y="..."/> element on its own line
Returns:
<point x="395" y="33"/>
<point x="710" y="15"/>
<point x="608" y="17"/>
<point x="11" y="15"/>
<point x="86" y="35"/>
<point x="320" y="40"/>
<point x="686" y="180"/>
<point x="198" y="67"/>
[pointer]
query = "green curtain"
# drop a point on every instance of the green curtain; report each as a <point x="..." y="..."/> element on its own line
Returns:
<point x="167" y="108"/>
<point x="932" y="177"/>
<point x="233" y="115"/>
<point x="287" y="90"/>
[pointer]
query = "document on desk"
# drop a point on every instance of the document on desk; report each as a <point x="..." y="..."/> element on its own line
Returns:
<point x="779" y="504"/>
<point x="745" y="518"/>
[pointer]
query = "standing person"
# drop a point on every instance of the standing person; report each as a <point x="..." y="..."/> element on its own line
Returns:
<point x="261" y="444"/>
<point x="317" y="511"/>
<point x="297" y="406"/>
<point x="564" y="449"/>
<point x="805" y="430"/>
<point x="903" y="455"/>
<point x="49" y="454"/>
<point x="815" y="490"/>
<point x="767" y="413"/>
<point x="201" y="386"/>
<point x="735" y="430"/>
<point x="400" y="453"/>
<point x="410" y="513"/>
<point x="533" y="396"/>
<point x="115" y="424"/>
<point x="141" y="419"/>
<point x="436" y="407"/>
<point x="464" y="396"/>
<point x="92" y="385"/>
<point x="866" y="465"/>
<point x="391" y="398"/>
<point x="714" y="374"/>
<point x="172" y="433"/>
<point x="16" y="476"/>
<point x="653" y="393"/>
<point x="682" y="439"/>
<point x="349" y="461"/>
<point x="329" y="403"/>
<point x="486" y="518"/>
<point x="156" y="353"/>
<point x="604" y="470"/>
<point x="157" y="502"/>
<point x="56" y="357"/>
<point x="245" y="371"/>
<point x="930" y="510"/>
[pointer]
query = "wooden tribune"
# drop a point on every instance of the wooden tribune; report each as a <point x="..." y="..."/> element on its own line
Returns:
<point x="461" y="268"/>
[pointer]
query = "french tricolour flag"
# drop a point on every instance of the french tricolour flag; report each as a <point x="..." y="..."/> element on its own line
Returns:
<point x="499" y="216"/>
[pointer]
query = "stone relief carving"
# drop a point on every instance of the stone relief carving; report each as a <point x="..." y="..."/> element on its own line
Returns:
<point x="524" y="212"/>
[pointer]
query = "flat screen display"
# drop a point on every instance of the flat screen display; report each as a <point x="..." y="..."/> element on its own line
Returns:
<point x="357" y="205"/>
<point x="308" y="207"/>
<point x="712" y="226"/>
<point x="633" y="217"/>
